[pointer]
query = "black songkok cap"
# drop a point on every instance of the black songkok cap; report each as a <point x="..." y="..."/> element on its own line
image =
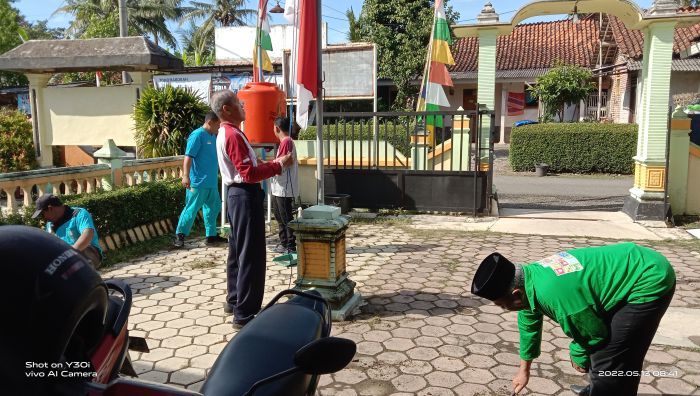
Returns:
<point x="493" y="277"/>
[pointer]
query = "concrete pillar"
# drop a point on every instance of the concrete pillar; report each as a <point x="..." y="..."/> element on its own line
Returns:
<point x="140" y="81"/>
<point x="646" y="200"/>
<point x="420" y="141"/>
<point x="320" y="236"/>
<point x="486" y="89"/>
<point x="40" y="125"/>
<point x="678" y="157"/>
<point x="461" y="143"/>
<point x="113" y="156"/>
<point x="486" y="80"/>
<point x="504" y="111"/>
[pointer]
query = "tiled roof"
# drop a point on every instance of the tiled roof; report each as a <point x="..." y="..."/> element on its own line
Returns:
<point x="535" y="46"/>
<point x="678" y="65"/>
<point x="689" y="10"/>
<point x="631" y="42"/>
<point x="502" y="74"/>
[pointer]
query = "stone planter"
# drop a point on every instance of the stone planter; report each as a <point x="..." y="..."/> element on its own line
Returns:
<point x="541" y="170"/>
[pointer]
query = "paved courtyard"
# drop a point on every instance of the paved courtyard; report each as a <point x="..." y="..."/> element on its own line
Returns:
<point x="420" y="331"/>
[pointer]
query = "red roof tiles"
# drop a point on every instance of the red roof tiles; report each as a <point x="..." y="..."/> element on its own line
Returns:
<point x="689" y="10"/>
<point x="631" y="42"/>
<point x="535" y="46"/>
<point x="541" y="45"/>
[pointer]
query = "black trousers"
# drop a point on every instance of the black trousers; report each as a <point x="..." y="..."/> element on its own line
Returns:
<point x="284" y="214"/>
<point x="245" y="266"/>
<point x="616" y="369"/>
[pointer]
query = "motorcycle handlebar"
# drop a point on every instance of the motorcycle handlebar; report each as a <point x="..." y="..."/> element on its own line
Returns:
<point x="122" y="288"/>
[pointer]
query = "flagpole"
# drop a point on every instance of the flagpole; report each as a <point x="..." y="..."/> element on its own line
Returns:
<point x="259" y="39"/>
<point x="319" y="109"/>
<point x="426" y="69"/>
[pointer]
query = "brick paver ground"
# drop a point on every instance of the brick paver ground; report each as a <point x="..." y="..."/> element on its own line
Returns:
<point x="420" y="331"/>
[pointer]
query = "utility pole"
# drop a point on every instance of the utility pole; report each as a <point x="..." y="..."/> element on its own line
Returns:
<point x="123" y="32"/>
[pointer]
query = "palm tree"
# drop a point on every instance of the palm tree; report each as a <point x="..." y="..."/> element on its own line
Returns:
<point x="197" y="50"/>
<point x="353" y="27"/>
<point x="218" y="13"/>
<point x="146" y="17"/>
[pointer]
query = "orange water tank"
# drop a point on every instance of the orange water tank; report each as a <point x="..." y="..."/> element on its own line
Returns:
<point x="262" y="102"/>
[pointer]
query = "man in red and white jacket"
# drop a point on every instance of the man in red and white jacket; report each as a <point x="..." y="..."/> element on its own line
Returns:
<point x="241" y="173"/>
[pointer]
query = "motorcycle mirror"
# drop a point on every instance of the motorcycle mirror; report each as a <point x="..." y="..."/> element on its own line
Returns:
<point x="325" y="355"/>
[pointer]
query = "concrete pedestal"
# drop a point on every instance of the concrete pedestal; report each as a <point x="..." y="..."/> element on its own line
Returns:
<point x="320" y="236"/>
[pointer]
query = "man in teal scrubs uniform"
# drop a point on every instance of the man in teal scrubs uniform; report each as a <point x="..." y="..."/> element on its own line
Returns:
<point x="72" y="224"/>
<point x="608" y="299"/>
<point x="200" y="178"/>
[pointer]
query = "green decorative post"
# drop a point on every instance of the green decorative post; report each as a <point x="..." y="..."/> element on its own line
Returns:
<point x="647" y="197"/>
<point x="486" y="80"/>
<point x="420" y="141"/>
<point x="461" y="143"/>
<point x="320" y="236"/>
<point x="678" y="157"/>
<point x="113" y="156"/>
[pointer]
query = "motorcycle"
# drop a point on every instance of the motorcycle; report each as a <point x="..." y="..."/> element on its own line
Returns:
<point x="283" y="351"/>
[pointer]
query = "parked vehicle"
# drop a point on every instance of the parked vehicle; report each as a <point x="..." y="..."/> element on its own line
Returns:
<point x="67" y="333"/>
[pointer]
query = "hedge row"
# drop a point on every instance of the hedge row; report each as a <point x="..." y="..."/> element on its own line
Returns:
<point x="121" y="209"/>
<point x="574" y="147"/>
<point x="398" y="136"/>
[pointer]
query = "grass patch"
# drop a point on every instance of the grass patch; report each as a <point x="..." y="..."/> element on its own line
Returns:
<point x="690" y="244"/>
<point x="452" y="266"/>
<point x="381" y="220"/>
<point x="688" y="222"/>
<point x="137" y="250"/>
<point x="203" y="264"/>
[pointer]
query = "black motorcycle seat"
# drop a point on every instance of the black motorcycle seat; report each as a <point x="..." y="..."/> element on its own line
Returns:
<point x="265" y="347"/>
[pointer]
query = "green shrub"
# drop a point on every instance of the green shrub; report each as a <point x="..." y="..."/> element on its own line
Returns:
<point x="399" y="137"/>
<point x="16" y="142"/>
<point x="575" y="147"/>
<point x="164" y="118"/>
<point x="122" y="208"/>
<point x="21" y="216"/>
<point x="129" y="207"/>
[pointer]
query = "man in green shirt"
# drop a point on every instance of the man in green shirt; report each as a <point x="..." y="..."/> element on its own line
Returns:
<point x="608" y="299"/>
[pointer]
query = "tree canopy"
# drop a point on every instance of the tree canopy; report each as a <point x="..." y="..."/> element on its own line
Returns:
<point x="9" y="39"/>
<point x="353" y="27"/>
<point x="562" y="86"/>
<point x="204" y="17"/>
<point x="100" y="18"/>
<point x="401" y="31"/>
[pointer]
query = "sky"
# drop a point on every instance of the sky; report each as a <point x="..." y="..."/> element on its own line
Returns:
<point x="333" y="12"/>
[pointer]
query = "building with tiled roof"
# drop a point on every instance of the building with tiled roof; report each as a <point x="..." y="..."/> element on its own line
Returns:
<point x="528" y="52"/>
<point x="533" y="49"/>
<point x="685" y="76"/>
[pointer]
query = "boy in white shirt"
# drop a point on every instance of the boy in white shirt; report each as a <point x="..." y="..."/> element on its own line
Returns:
<point x="285" y="187"/>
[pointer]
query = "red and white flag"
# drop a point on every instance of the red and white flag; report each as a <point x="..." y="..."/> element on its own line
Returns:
<point x="307" y="54"/>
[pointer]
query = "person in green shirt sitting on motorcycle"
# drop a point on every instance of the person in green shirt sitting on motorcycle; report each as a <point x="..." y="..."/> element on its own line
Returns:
<point x="608" y="299"/>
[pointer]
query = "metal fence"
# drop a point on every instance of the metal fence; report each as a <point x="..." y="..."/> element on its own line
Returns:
<point x="410" y="140"/>
<point x="412" y="160"/>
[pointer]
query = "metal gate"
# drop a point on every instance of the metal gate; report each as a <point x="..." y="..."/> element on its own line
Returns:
<point x="409" y="160"/>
